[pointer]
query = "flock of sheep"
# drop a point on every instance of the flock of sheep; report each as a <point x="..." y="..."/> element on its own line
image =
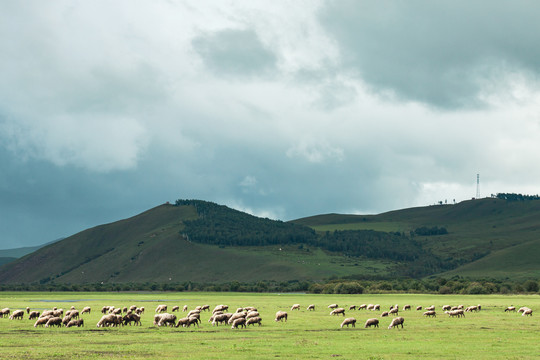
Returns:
<point x="241" y="318"/>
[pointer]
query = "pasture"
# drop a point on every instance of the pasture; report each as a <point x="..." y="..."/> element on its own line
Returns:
<point x="488" y="334"/>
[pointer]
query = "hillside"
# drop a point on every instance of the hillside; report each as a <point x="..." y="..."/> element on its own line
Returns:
<point x="204" y="242"/>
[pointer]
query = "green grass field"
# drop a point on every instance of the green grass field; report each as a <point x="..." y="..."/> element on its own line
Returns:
<point x="488" y="334"/>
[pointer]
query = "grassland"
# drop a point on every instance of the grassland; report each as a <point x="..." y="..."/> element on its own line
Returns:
<point x="489" y="334"/>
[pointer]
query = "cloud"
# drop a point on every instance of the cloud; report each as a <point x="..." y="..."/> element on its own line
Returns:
<point x="444" y="54"/>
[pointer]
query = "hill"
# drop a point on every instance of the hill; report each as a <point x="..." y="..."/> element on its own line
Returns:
<point x="9" y="255"/>
<point x="199" y="241"/>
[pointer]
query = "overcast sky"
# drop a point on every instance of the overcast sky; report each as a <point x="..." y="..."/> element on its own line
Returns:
<point x="281" y="109"/>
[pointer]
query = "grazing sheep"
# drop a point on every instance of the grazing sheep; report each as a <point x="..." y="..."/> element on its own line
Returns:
<point x="253" y="320"/>
<point x="125" y="309"/>
<point x="396" y="322"/>
<point x="185" y="308"/>
<point x="376" y="307"/>
<point x="311" y="307"/>
<point x="133" y="307"/>
<point x="58" y="313"/>
<point x="394" y="311"/>
<point x="104" y="309"/>
<point x="338" y="311"/>
<point x="371" y="322"/>
<point x="106" y="320"/>
<point x="221" y="319"/>
<point x="446" y="307"/>
<point x="86" y="309"/>
<point x="460" y="307"/>
<point x="352" y="307"/>
<point x="77" y="323"/>
<point x="406" y="307"/>
<point x="510" y="309"/>
<point x="238" y="322"/>
<point x="418" y="308"/>
<point x="384" y="314"/>
<point x="522" y="309"/>
<point x="458" y="313"/>
<point x="74" y="314"/>
<point x="17" y="314"/>
<point x="220" y="308"/>
<point x="252" y="314"/>
<point x="175" y="308"/>
<point x="332" y="306"/>
<point x="183" y="322"/>
<point x="193" y="320"/>
<point x="54" y="321"/>
<point x="139" y="311"/>
<point x="5" y="312"/>
<point x="430" y="308"/>
<point x="205" y="308"/>
<point x="167" y="319"/>
<point x="370" y="307"/>
<point x="431" y="313"/>
<point x="193" y="312"/>
<point x="454" y="308"/>
<point x="66" y="320"/>
<point x="240" y="309"/>
<point x="349" y="321"/>
<point x="27" y="310"/>
<point x="295" y="307"/>
<point x="33" y="315"/>
<point x="42" y="321"/>
<point x="47" y="313"/>
<point x="161" y="308"/>
<point x="131" y="317"/>
<point x="527" y="312"/>
<point x="117" y="311"/>
<point x="236" y="316"/>
<point x="472" y="308"/>
<point x="280" y="316"/>
<point x="362" y="307"/>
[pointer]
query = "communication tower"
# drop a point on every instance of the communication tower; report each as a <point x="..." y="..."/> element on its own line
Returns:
<point x="478" y="186"/>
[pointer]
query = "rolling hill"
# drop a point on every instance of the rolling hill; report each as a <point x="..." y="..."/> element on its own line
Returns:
<point x="199" y="241"/>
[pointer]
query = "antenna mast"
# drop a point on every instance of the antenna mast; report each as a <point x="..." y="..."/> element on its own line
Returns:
<point x="478" y="186"/>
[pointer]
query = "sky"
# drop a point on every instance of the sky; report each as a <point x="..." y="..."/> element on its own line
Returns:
<point x="281" y="109"/>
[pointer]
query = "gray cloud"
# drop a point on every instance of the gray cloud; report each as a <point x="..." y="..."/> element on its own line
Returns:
<point x="446" y="54"/>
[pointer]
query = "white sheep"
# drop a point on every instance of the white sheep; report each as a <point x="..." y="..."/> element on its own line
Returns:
<point x="338" y="311"/>
<point x="362" y="307"/>
<point x="54" y="321"/>
<point x="161" y="308"/>
<point x="311" y="307"/>
<point x="281" y="316"/>
<point x="175" y="308"/>
<point x="42" y="321"/>
<point x="527" y="312"/>
<point x="86" y="309"/>
<point x="352" y="307"/>
<point x="406" y="307"/>
<point x="510" y="309"/>
<point x="167" y="319"/>
<point x="78" y="323"/>
<point x="371" y="322"/>
<point x="446" y="307"/>
<point x="221" y="319"/>
<point x="458" y="313"/>
<point x="349" y="321"/>
<point x="17" y="314"/>
<point x="252" y="314"/>
<point x="295" y="307"/>
<point x="185" y="308"/>
<point x="394" y="311"/>
<point x="418" y="308"/>
<point x="253" y="321"/>
<point x="332" y="306"/>
<point x="240" y="315"/>
<point x="396" y="322"/>
<point x="238" y="322"/>
<point x="106" y="320"/>
<point x="430" y="313"/>
<point x="33" y="315"/>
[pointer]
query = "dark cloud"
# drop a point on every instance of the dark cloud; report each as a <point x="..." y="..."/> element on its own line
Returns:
<point x="445" y="54"/>
<point x="234" y="52"/>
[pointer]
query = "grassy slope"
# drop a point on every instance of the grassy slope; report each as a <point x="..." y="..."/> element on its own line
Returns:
<point x="149" y="247"/>
<point x="508" y="231"/>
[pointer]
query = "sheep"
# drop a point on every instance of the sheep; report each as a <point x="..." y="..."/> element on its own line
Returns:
<point x="446" y="307"/>
<point x="139" y="311"/>
<point x="280" y="316"/>
<point x="240" y="309"/>
<point x="54" y="321"/>
<point x="418" y="308"/>
<point x="58" y="313"/>
<point x="338" y="311"/>
<point x="376" y="307"/>
<point x="430" y="313"/>
<point x="41" y="321"/>
<point x="527" y="312"/>
<point x="252" y="314"/>
<point x="47" y="313"/>
<point x="129" y="318"/>
<point x="104" y="309"/>
<point x="384" y="314"/>
<point x="362" y="307"/>
<point x="27" y="310"/>
<point x="33" y="315"/>
<point x="66" y="320"/>
<point x="458" y="313"/>
<point x="430" y="308"/>
<point x="238" y="322"/>
<point x="510" y="309"/>
<point x="77" y="323"/>
<point x="352" y="307"/>
<point x="394" y="311"/>
<point x="17" y="314"/>
<point x="198" y="308"/>
<point x="185" y="308"/>
<point x="106" y="320"/>
<point x="193" y="320"/>
<point x="74" y="314"/>
<point x="371" y="322"/>
<point x="161" y="308"/>
<point x="460" y="307"/>
<point x="86" y="309"/>
<point x="221" y="318"/>
<point x="167" y="319"/>
<point x="125" y="309"/>
<point x="332" y="306"/>
<point x="522" y="309"/>
<point x="370" y="307"/>
<point x="236" y="316"/>
<point x="175" y="308"/>
<point x="5" y="312"/>
<point x="253" y="320"/>
<point x="454" y="308"/>
<point x="193" y="312"/>
<point x="406" y="307"/>
<point x="205" y="308"/>
<point x="311" y="307"/>
<point x="220" y="308"/>
<point x="117" y="311"/>
<point x="472" y="308"/>
<point x="295" y="307"/>
<point x="133" y="307"/>
<point x="183" y="322"/>
<point x="349" y="321"/>
<point x="118" y="320"/>
<point x="396" y="322"/>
